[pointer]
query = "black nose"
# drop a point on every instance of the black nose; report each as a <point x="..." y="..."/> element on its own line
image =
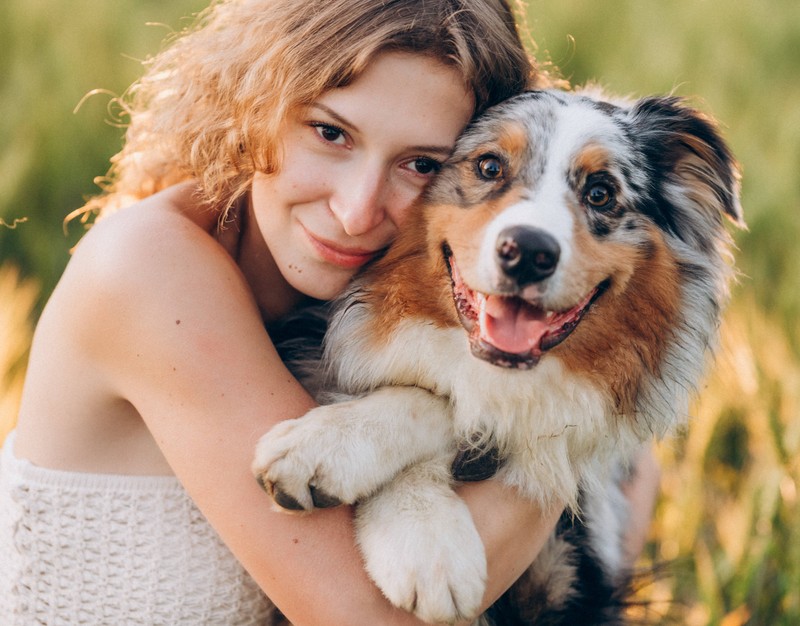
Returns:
<point x="526" y="254"/>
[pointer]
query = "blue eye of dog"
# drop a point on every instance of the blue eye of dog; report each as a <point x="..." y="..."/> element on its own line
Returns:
<point x="600" y="196"/>
<point x="490" y="167"/>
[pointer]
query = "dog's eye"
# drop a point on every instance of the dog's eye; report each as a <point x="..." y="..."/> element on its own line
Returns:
<point x="600" y="196"/>
<point x="490" y="167"/>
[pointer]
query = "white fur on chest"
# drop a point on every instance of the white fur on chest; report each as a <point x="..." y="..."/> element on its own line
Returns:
<point x="548" y="422"/>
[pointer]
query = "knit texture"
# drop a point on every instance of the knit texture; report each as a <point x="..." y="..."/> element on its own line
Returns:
<point x="98" y="549"/>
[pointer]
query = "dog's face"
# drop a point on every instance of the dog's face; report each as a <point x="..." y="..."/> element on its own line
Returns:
<point x="559" y="212"/>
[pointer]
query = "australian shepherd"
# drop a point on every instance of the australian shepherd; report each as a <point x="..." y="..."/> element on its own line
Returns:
<point x="547" y="310"/>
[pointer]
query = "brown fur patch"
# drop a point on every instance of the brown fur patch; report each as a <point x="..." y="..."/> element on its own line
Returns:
<point x="512" y="140"/>
<point x="409" y="282"/>
<point x="593" y="158"/>
<point x="623" y="338"/>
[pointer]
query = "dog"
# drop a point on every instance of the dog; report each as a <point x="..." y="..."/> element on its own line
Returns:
<point x="547" y="309"/>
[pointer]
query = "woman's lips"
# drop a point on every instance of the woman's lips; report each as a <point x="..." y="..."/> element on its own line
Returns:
<point x="348" y="258"/>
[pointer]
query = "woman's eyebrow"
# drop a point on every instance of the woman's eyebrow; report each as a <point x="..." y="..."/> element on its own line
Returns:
<point x="426" y="149"/>
<point x="444" y="151"/>
<point x="338" y="118"/>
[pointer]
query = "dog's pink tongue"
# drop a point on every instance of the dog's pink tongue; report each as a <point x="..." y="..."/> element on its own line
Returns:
<point x="509" y="325"/>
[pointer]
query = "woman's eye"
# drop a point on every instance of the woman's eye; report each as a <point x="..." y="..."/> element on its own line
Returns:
<point x="599" y="196"/>
<point x="424" y="166"/>
<point x="329" y="133"/>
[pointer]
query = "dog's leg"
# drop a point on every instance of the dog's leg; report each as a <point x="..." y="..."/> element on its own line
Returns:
<point x="341" y="453"/>
<point x="420" y="545"/>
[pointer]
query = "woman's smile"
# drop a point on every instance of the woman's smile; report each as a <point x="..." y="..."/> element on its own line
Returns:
<point x="337" y="254"/>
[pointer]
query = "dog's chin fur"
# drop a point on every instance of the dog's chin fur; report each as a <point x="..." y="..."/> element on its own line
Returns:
<point x="566" y="420"/>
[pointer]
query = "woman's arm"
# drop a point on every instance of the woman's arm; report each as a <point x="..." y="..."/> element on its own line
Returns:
<point x="513" y="530"/>
<point x="641" y="491"/>
<point x="176" y="333"/>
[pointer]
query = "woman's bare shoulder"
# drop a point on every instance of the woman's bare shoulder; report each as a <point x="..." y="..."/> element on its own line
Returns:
<point x="162" y="235"/>
<point x="154" y="287"/>
<point x="138" y="267"/>
<point x="147" y="293"/>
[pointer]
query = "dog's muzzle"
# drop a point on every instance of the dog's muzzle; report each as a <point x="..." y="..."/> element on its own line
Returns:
<point x="509" y="328"/>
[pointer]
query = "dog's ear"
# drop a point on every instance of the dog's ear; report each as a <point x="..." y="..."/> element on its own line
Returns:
<point x="697" y="176"/>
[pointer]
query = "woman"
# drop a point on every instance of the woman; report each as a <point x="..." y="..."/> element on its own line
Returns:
<point x="271" y="151"/>
<point x="286" y="140"/>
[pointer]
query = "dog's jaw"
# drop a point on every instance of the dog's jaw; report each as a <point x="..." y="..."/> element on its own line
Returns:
<point x="510" y="331"/>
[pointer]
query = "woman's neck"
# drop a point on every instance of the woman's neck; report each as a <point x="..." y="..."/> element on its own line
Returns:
<point x="273" y="294"/>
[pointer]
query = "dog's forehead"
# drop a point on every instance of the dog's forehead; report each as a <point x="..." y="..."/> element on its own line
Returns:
<point x="554" y="123"/>
<point x="559" y="127"/>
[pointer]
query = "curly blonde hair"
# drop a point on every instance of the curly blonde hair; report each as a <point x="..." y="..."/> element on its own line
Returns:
<point x="210" y="105"/>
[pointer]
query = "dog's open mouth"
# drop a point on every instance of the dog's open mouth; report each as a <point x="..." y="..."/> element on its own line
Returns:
<point x="509" y="331"/>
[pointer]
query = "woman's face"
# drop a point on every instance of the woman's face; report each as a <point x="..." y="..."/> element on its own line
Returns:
<point x="352" y="164"/>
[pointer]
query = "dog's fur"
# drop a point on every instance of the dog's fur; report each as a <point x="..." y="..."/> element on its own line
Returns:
<point x="547" y="309"/>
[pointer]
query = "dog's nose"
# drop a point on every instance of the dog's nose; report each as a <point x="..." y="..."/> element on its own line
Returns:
<point x="526" y="254"/>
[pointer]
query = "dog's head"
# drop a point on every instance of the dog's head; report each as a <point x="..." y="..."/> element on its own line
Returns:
<point x="559" y="212"/>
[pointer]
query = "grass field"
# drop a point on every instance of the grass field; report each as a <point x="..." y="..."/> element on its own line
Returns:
<point x="728" y="520"/>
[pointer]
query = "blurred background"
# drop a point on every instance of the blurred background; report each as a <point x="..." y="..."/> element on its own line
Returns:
<point x="728" y="519"/>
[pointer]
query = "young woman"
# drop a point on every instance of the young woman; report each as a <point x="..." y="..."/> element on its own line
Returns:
<point x="272" y="150"/>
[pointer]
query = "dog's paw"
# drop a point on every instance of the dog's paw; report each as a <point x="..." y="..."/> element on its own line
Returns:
<point x="424" y="553"/>
<point x="317" y="461"/>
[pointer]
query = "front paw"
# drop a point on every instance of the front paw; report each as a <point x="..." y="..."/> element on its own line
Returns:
<point x="421" y="548"/>
<point x="315" y="461"/>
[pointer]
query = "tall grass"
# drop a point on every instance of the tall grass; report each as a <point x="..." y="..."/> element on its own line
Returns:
<point x="54" y="52"/>
<point x="728" y="520"/>
<point x="17" y="300"/>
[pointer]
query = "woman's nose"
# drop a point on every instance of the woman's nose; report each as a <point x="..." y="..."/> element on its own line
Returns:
<point x="358" y="201"/>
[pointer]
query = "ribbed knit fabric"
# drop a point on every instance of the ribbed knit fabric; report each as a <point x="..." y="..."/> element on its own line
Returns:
<point x="97" y="549"/>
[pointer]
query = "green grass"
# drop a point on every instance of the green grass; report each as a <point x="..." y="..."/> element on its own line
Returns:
<point x="729" y="516"/>
<point x="54" y="53"/>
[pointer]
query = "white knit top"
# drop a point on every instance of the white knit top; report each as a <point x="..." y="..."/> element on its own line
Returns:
<point x="100" y="549"/>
